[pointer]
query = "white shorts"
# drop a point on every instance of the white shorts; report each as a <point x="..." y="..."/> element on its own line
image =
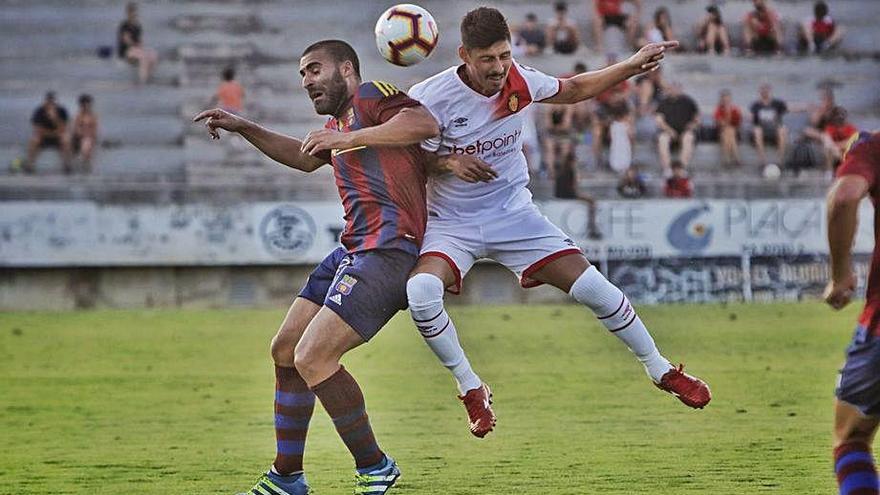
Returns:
<point x="524" y="241"/>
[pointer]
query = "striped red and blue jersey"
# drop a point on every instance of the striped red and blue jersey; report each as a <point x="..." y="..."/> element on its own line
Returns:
<point x="862" y="158"/>
<point x="382" y="188"/>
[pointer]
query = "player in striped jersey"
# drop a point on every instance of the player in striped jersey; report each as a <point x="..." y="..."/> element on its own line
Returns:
<point x="371" y="142"/>
<point x="857" y="412"/>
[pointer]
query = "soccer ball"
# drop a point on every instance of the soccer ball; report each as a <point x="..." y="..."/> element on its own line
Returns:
<point x="406" y="34"/>
<point x="772" y="171"/>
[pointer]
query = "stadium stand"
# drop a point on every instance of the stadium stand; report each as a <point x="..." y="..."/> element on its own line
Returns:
<point x="150" y="151"/>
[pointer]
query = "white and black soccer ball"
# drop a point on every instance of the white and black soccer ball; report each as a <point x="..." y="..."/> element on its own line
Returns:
<point x="406" y="34"/>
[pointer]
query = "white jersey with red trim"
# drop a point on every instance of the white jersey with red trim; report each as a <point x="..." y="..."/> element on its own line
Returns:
<point x="490" y="127"/>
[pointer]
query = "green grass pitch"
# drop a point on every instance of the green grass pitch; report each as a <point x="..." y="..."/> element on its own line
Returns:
<point x="180" y="402"/>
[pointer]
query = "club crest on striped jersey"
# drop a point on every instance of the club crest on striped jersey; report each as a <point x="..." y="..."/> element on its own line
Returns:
<point x="345" y="284"/>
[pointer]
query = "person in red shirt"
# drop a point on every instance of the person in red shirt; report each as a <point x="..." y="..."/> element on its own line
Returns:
<point x="728" y="118"/>
<point x="762" y="31"/>
<point x="836" y="135"/>
<point x="610" y="13"/>
<point x="230" y="93"/>
<point x="820" y="32"/>
<point x="678" y="185"/>
<point x="857" y="411"/>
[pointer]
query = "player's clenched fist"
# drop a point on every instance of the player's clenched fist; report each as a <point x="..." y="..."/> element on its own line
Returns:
<point x="467" y="168"/>
<point x="649" y="57"/>
<point x="838" y="294"/>
<point x="220" y="119"/>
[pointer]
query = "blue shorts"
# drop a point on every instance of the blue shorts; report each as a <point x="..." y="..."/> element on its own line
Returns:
<point x="365" y="289"/>
<point x="859" y="382"/>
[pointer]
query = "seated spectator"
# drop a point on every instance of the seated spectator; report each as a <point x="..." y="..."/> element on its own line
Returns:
<point x="566" y="187"/>
<point x="836" y="136"/>
<point x="583" y="115"/>
<point x="677" y="117"/>
<point x="562" y="33"/>
<point x="614" y="126"/>
<point x="712" y="33"/>
<point x="610" y="13"/>
<point x="820" y="117"/>
<point x="130" y="44"/>
<point x="558" y="135"/>
<point x="530" y="39"/>
<point x="767" y="115"/>
<point x="650" y="89"/>
<point x="632" y="185"/>
<point x="762" y="30"/>
<point x="728" y="118"/>
<point x="85" y="132"/>
<point x="819" y="33"/>
<point x="230" y="93"/>
<point x="50" y="130"/>
<point x="661" y="28"/>
<point x="678" y="185"/>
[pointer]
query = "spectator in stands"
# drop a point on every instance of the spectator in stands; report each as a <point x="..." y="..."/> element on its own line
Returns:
<point x="728" y="118"/>
<point x="610" y="13"/>
<point x="530" y="39"/>
<point x="650" y="88"/>
<point x="712" y="34"/>
<point x="819" y="33"/>
<point x="614" y="125"/>
<point x="632" y="185"/>
<point x="230" y="93"/>
<point x="563" y="33"/>
<point x="566" y="187"/>
<point x="50" y="130"/>
<point x="677" y="118"/>
<point x="661" y="28"/>
<point x="767" y="113"/>
<point x="130" y="44"/>
<point x="558" y="134"/>
<point x="678" y="185"/>
<point x="836" y="135"/>
<point x="821" y="117"/>
<point x="85" y="132"/>
<point x="584" y="112"/>
<point x="762" y="30"/>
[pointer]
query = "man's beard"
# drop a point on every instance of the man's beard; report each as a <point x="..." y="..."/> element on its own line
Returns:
<point x="337" y="93"/>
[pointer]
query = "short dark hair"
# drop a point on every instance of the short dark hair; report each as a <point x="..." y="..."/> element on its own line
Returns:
<point x="580" y="68"/>
<point x="820" y="9"/>
<point x="561" y="7"/>
<point x="339" y="50"/>
<point x="483" y="27"/>
<point x="229" y="73"/>
<point x="85" y="98"/>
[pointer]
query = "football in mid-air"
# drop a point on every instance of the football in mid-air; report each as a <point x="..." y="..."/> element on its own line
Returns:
<point x="406" y="34"/>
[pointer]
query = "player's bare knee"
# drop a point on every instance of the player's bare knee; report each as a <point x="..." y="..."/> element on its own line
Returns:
<point x="282" y="350"/>
<point x="424" y="289"/>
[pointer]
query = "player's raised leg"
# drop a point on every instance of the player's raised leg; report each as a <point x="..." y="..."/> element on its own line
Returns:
<point x="425" y="289"/>
<point x="853" y="462"/>
<point x="573" y="274"/>
<point x="326" y="339"/>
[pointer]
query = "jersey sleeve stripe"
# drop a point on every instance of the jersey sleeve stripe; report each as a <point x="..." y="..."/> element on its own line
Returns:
<point x="386" y="88"/>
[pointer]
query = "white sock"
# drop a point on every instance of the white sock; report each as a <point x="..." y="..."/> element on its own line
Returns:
<point x="613" y="309"/>
<point x="425" y="294"/>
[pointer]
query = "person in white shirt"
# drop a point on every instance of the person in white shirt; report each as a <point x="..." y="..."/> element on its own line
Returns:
<point x="490" y="214"/>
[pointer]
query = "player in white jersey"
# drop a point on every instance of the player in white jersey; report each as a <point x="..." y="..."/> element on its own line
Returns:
<point x="478" y="106"/>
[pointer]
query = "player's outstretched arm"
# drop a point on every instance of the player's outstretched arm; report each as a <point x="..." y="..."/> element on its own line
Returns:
<point x="408" y="126"/>
<point x="843" y="208"/>
<point x="283" y="149"/>
<point x="590" y="84"/>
